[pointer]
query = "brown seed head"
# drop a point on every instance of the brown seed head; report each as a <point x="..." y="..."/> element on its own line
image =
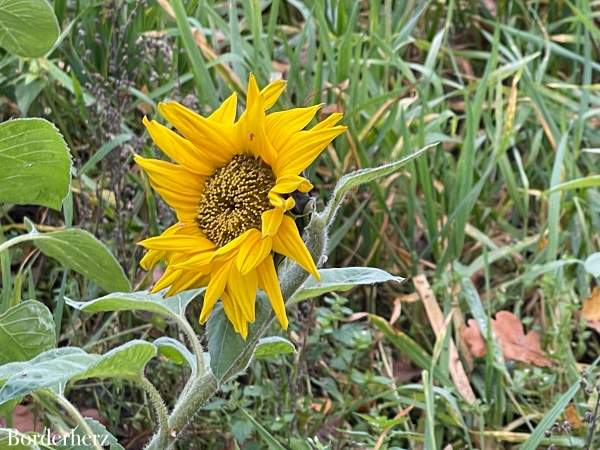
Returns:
<point x="234" y="198"/>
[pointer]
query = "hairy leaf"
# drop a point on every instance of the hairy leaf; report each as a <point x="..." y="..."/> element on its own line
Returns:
<point x="81" y="251"/>
<point x="342" y="279"/>
<point x="35" y="162"/>
<point x="26" y="330"/>
<point x="140" y="301"/>
<point x="27" y="27"/>
<point x="53" y="370"/>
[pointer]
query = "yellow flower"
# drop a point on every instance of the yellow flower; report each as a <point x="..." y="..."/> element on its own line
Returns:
<point x="231" y="189"/>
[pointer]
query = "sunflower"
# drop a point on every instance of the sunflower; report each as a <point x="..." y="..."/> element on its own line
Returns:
<point x="231" y="187"/>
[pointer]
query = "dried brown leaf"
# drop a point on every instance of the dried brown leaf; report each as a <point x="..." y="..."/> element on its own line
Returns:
<point x="591" y="306"/>
<point x="515" y="344"/>
<point x="573" y="417"/>
<point x="473" y="338"/>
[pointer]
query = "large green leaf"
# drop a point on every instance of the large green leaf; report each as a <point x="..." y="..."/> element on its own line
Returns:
<point x="27" y="27"/>
<point x="125" y="361"/>
<point x="342" y="279"/>
<point x="8" y="370"/>
<point x="26" y="330"/>
<point x="35" y="163"/>
<point x="140" y="301"/>
<point x="81" y="251"/>
<point x="45" y="373"/>
<point x="229" y="353"/>
<point x="55" y="369"/>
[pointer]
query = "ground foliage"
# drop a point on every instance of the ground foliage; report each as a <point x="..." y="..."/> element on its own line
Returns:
<point x="508" y="89"/>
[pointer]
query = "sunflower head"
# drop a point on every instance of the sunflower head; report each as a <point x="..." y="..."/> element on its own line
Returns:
<point x="231" y="185"/>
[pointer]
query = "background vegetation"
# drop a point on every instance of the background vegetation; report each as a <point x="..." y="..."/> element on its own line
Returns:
<point x="508" y="89"/>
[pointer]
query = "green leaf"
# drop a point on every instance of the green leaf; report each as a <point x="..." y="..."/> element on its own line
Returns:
<point x="585" y="182"/>
<point x="592" y="264"/>
<point x="354" y="179"/>
<point x="8" y="370"/>
<point x="229" y="353"/>
<point x="175" y="351"/>
<point x="27" y="27"/>
<point x="273" y="346"/>
<point x="54" y="369"/>
<point x="81" y="251"/>
<point x="342" y="279"/>
<point x="173" y="307"/>
<point x="125" y="361"/>
<point x="103" y="438"/>
<point x="35" y="163"/>
<point x="26" y="330"/>
<point x="45" y="373"/>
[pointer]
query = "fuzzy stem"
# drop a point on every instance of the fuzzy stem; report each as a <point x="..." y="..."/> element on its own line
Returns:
<point x="201" y="389"/>
<point x="161" y="411"/>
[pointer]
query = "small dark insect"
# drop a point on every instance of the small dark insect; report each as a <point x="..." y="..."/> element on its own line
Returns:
<point x="305" y="203"/>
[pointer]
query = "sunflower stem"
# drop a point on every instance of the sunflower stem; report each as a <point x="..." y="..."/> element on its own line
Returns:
<point x="200" y="391"/>
<point x="196" y="346"/>
<point x="160" y="409"/>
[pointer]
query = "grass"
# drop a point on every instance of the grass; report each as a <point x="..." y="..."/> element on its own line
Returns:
<point x="508" y="89"/>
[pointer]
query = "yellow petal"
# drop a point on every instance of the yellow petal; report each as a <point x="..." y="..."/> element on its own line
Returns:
<point x="289" y="243"/>
<point x="279" y="202"/>
<point x="252" y="252"/>
<point x="242" y="289"/>
<point x="168" y="278"/>
<point x="251" y="127"/>
<point x="234" y="314"/>
<point x="213" y="137"/>
<point x="153" y="256"/>
<point x="187" y="280"/>
<point x="272" y="92"/>
<point x="303" y="148"/>
<point x="227" y="111"/>
<point x="197" y="261"/>
<point x="271" y="219"/>
<point x="290" y="183"/>
<point x="180" y="188"/>
<point x="328" y="122"/>
<point x="181" y="150"/>
<point x="234" y="244"/>
<point x="268" y="282"/>
<point x="177" y="242"/>
<point x="281" y="126"/>
<point x="216" y="286"/>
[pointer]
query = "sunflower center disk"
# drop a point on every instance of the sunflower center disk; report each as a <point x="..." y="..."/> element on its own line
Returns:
<point x="234" y="198"/>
